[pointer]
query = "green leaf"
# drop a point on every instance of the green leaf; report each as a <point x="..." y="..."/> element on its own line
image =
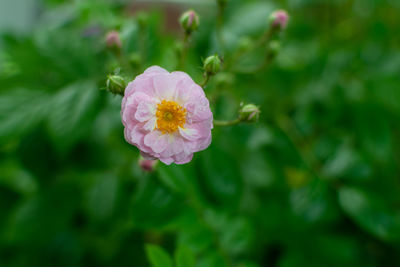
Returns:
<point x="102" y="195"/>
<point x="184" y="257"/>
<point x="73" y="111"/>
<point x="17" y="178"/>
<point x="20" y="111"/>
<point x="371" y="213"/>
<point x="221" y="176"/>
<point x="157" y="256"/>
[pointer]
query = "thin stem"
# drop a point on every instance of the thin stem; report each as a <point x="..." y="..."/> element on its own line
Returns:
<point x="205" y="81"/>
<point x="262" y="65"/>
<point x="220" y="20"/>
<point x="227" y="123"/>
<point x="185" y="49"/>
<point x="261" y="41"/>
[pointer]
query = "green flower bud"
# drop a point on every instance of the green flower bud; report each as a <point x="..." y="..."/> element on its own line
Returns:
<point x="116" y="84"/>
<point x="212" y="64"/>
<point x="189" y="21"/>
<point x="249" y="113"/>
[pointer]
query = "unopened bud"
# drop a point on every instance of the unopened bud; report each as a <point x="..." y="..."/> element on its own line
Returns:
<point x="189" y="21"/>
<point x="212" y="64"/>
<point x="249" y="113"/>
<point x="116" y="84"/>
<point x="279" y="19"/>
<point x="147" y="165"/>
<point x="113" y="40"/>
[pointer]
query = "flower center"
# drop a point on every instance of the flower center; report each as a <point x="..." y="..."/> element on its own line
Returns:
<point x="170" y="115"/>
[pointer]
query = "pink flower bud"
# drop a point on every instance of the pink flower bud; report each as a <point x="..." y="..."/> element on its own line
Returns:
<point x="279" y="19"/>
<point x="147" y="165"/>
<point x="189" y="21"/>
<point x="113" y="39"/>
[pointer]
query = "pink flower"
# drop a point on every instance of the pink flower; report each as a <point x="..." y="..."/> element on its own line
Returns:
<point x="279" y="19"/>
<point x="166" y="115"/>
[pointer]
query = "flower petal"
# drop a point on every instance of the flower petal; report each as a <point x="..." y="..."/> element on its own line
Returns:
<point x="150" y="124"/>
<point x="190" y="134"/>
<point x="165" y="86"/>
<point x="145" y="110"/>
<point x="157" y="141"/>
<point x="155" y="70"/>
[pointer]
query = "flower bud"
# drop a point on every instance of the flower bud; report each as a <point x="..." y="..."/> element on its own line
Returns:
<point x="113" y="40"/>
<point x="189" y="21"/>
<point x="212" y="64"/>
<point x="249" y="113"/>
<point x="147" y="165"/>
<point x="116" y="84"/>
<point x="279" y="19"/>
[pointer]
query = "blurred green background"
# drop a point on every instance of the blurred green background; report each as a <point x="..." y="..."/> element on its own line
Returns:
<point x="315" y="183"/>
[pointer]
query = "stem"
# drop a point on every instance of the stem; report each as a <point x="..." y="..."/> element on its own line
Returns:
<point x="227" y="123"/>
<point x="263" y="39"/>
<point x="205" y="81"/>
<point x="185" y="49"/>
<point x="257" y="68"/>
<point x="220" y="20"/>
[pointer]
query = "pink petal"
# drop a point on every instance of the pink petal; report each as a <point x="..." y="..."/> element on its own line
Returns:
<point x="183" y="158"/>
<point x="145" y="111"/>
<point x="190" y="134"/>
<point x="157" y="141"/>
<point x="155" y="70"/>
<point x="165" y="86"/>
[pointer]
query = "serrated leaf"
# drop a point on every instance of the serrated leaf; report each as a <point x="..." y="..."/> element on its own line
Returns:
<point x="73" y="109"/>
<point x="20" y="111"/>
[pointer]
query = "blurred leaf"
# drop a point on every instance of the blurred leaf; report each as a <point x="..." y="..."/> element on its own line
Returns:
<point x="16" y="178"/>
<point x="158" y="257"/>
<point x="249" y="19"/>
<point x="20" y="111"/>
<point x="371" y="213"/>
<point x="184" y="257"/>
<point x="102" y="196"/>
<point x="73" y="109"/>
<point x="221" y="177"/>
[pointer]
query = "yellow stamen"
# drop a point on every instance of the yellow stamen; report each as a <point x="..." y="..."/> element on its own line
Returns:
<point x="170" y="115"/>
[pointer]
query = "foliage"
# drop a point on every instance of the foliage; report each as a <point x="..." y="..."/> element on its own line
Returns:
<point x="314" y="183"/>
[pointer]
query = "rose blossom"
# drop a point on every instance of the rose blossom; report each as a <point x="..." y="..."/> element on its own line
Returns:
<point x="166" y="115"/>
